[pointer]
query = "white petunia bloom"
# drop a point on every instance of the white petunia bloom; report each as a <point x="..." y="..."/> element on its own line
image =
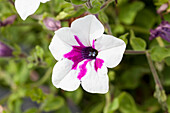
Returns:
<point x="27" y="7"/>
<point x="84" y="53"/>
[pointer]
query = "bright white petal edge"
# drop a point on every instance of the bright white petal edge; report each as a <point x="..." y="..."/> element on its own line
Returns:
<point x="27" y="7"/>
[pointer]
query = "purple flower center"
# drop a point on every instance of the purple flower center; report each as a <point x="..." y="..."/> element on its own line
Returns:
<point x="80" y="53"/>
<point x="89" y="53"/>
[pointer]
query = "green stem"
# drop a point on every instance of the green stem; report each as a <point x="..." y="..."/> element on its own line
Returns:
<point x="45" y="77"/>
<point x="11" y="2"/>
<point x="160" y="93"/>
<point x="106" y="4"/>
<point x="137" y="29"/>
<point x="132" y="52"/>
<point x="107" y="96"/>
<point x="88" y="4"/>
<point x="107" y="26"/>
<point x="160" y="42"/>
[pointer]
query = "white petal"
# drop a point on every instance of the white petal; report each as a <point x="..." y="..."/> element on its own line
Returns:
<point x="26" y="7"/>
<point x="44" y="1"/>
<point x="95" y="82"/>
<point x="58" y="48"/>
<point x="87" y="29"/>
<point x="110" y="49"/>
<point x="63" y="77"/>
<point x="65" y="34"/>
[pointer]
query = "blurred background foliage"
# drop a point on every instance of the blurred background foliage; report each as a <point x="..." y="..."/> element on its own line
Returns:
<point x="25" y="78"/>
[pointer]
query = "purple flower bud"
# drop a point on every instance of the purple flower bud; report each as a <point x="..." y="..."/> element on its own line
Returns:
<point x="162" y="8"/>
<point x="9" y="20"/>
<point x="51" y="24"/>
<point x="5" y="51"/>
<point x="163" y="30"/>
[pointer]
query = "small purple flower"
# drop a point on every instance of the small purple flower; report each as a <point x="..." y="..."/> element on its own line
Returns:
<point x="163" y="30"/>
<point x="5" y="51"/>
<point x="9" y="20"/>
<point x="52" y="24"/>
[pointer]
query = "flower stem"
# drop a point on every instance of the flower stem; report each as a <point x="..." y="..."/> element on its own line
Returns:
<point x="108" y="99"/>
<point x="160" y="92"/>
<point x="11" y="2"/>
<point x="88" y="4"/>
<point x="106" y="3"/>
<point x="45" y="77"/>
<point x="160" y="42"/>
<point x="132" y="52"/>
<point x="137" y="29"/>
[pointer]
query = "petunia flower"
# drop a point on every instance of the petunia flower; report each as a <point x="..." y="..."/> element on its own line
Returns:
<point x="163" y="30"/>
<point x="5" y="51"/>
<point x="27" y="7"/>
<point x="84" y="53"/>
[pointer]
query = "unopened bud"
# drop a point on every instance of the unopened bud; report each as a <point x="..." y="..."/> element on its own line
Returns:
<point x="52" y="24"/>
<point x="5" y="51"/>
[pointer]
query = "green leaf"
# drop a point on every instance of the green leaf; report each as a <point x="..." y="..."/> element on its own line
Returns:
<point x="78" y="2"/>
<point x="137" y="44"/>
<point x="64" y="109"/>
<point x="67" y="0"/>
<point x="76" y="96"/>
<point x="168" y="102"/>
<point x="118" y="29"/>
<point x="32" y="110"/>
<point x="36" y="94"/>
<point x="53" y="103"/>
<point x="167" y="61"/>
<point x="111" y="75"/>
<point x="127" y="104"/>
<point x="114" y="105"/>
<point x="128" y="11"/>
<point x="39" y="52"/>
<point x="62" y="15"/>
<point x="135" y="73"/>
<point x="97" y="108"/>
<point x="148" y="19"/>
<point x="95" y="7"/>
<point x="159" y="53"/>
<point x="124" y="37"/>
<point x="103" y="17"/>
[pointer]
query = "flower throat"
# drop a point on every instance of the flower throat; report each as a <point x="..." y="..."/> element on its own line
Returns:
<point x="89" y="53"/>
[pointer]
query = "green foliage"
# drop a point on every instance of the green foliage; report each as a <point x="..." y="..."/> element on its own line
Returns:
<point x="168" y="101"/>
<point x="32" y="110"/>
<point x="125" y="103"/>
<point x="76" y="96"/>
<point x="52" y="103"/>
<point x="78" y="2"/>
<point x="128" y="12"/>
<point x="124" y="38"/>
<point x="95" y="7"/>
<point x="159" y="53"/>
<point x="36" y="94"/>
<point x="137" y="44"/>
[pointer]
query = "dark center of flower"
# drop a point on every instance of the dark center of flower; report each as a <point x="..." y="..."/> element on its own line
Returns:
<point x="89" y="53"/>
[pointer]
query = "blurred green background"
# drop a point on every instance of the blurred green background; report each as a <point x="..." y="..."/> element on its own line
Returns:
<point x="25" y="78"/>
